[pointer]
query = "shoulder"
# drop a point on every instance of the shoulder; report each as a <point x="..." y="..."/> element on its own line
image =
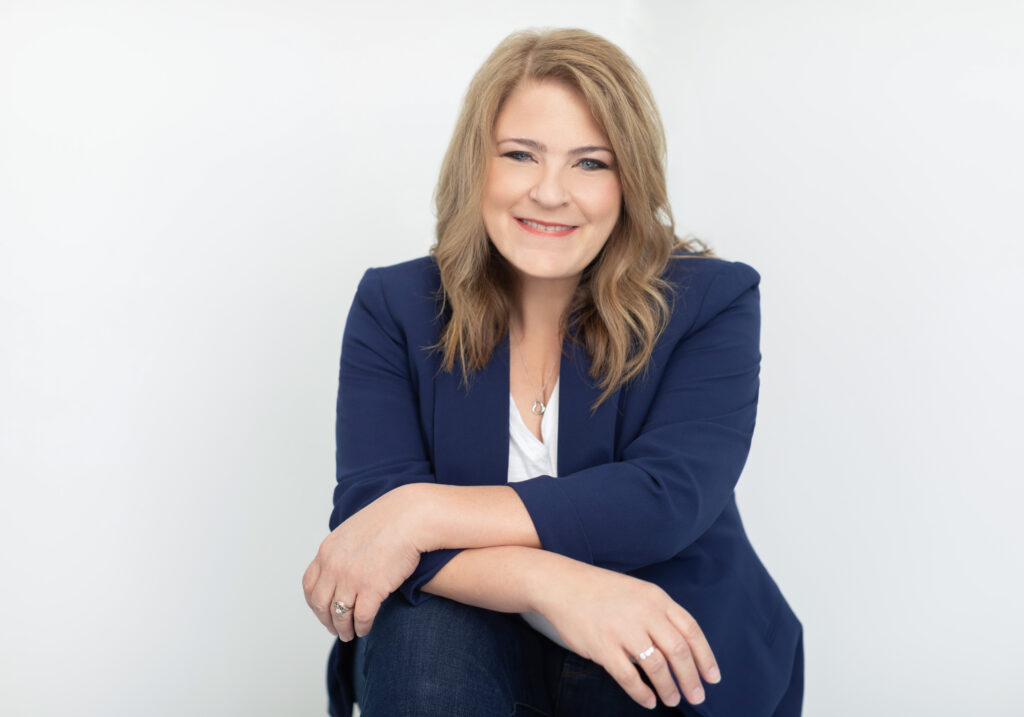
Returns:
<point x="415" y="274"/>
<point x="403" y="288"/>
<point x="421" y="267"/>
<point x="687" y="269"/>
<point x="403" y="298"/>
<point x="703" y="287"/>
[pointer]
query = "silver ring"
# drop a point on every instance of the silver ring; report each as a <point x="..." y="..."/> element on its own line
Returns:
<point x="340" y="608"/>
<point x="646" y="653"/>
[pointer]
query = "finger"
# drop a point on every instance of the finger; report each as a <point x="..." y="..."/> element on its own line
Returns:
<point x="676" y="651"/>
<point x="320" y="601"/>
<point x="623" y="672"/>
<point x="309" y="580"/>
<point x="698" y="643"/>
<point x="343" y="621"/>
<point x="654" y="664"/>
<point x="363" y="615"/>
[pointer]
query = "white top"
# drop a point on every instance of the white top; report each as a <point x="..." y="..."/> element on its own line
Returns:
<point x="528" y="457"/>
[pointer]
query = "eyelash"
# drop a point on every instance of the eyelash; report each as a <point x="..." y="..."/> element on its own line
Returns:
<point x="598" y="164"/>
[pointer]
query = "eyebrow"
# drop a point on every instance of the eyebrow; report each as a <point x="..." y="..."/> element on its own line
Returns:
<point x="540" y="147"/>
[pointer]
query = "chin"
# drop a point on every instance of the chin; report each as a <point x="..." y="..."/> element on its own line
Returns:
<point x="546" y="271"/>
<point x="542" y="263"/>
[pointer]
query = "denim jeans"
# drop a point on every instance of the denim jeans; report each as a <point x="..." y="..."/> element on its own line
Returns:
<point x="446" y="658"/>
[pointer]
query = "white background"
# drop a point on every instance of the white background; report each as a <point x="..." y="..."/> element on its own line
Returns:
<point x="189" y="192"/>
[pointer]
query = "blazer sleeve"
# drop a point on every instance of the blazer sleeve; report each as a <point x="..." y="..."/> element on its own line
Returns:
<point x="379" y="439"/>
<point x="679" y="472"/>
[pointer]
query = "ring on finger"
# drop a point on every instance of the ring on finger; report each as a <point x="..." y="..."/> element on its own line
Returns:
<point x="646" y="653"/>
<point x="340" y="608"/>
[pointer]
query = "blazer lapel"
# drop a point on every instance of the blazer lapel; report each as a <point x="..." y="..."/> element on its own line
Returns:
<point x="584" y="439"/>
<point x="471" y="427"/>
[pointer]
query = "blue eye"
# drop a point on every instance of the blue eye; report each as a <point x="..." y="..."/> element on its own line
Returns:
<point x="517" y="155"/>
<point x="592" y="164"/>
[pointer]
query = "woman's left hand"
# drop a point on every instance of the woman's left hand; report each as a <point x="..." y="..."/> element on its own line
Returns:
<point x="612" y="619"/>
<point x="361" y="562"/>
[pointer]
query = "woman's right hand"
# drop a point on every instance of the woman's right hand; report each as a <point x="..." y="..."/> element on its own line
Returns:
<point x="610" y="617"/>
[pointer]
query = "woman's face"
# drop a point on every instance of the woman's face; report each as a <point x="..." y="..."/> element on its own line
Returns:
<point x="553" y="195"/>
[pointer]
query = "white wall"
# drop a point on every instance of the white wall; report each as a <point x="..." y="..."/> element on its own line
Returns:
<point x="189" y="192"/>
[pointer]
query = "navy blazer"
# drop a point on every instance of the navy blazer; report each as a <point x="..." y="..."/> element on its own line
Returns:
<point x="645" y="483"/>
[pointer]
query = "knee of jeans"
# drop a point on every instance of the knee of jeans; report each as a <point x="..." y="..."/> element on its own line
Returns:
<point x="438" y="622"/>
<point x="439" y="639"/>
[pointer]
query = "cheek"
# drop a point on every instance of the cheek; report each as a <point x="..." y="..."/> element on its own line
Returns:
<point x="602" y="202"/>
<point x="501" y="190"/>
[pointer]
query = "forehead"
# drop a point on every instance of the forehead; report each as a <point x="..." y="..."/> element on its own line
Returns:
<point x="549" y="112"/>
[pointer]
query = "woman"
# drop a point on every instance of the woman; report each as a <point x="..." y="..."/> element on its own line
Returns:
<point x="557" y="329"/>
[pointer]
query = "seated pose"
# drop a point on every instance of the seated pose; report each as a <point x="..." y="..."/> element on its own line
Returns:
<point x="540" y="428"/>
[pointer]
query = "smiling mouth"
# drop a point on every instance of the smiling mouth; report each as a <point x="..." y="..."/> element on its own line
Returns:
<point x="558" y="230"/>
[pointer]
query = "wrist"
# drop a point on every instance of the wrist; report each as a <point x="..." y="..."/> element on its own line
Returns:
<point x="418" y="513"/>
<point x="545" y="580"/>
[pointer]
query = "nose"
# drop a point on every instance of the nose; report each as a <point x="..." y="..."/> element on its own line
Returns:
<point x="550" y="191"/>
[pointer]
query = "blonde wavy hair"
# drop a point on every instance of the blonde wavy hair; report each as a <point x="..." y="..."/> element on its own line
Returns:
<point x="621" y="304"/>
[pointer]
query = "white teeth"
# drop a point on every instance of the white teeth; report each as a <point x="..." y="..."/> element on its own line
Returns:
<point x="544" y="227"/>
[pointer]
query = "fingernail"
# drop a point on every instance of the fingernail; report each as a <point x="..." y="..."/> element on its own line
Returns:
<point x="673" y="700"/>
<point x="714" y="675"/>
<point x="651" y="703"/>
<point x="698" y="696"/>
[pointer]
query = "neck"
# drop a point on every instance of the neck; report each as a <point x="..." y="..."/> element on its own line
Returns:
<point x="540" y="305"/>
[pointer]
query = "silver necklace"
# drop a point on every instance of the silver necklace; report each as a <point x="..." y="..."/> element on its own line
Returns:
<point x="538" y="406"/>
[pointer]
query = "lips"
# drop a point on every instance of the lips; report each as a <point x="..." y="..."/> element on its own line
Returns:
<point x="545" y="228"/>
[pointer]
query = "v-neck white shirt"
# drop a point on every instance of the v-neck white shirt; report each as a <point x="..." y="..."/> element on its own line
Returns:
<point x="529" y="457"/>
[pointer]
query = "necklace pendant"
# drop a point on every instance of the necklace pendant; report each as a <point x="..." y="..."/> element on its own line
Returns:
<point x="538" y="408"/>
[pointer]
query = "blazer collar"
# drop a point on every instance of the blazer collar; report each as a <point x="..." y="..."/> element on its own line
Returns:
<point x="471" y="426"/>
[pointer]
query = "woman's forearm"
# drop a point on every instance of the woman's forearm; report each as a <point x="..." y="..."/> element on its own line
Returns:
<point x="458" y="516"/>
<point x="506" y="578"/>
